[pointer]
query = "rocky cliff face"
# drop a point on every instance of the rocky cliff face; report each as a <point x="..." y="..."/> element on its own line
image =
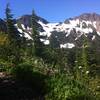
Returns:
<point x="92" y="17"/>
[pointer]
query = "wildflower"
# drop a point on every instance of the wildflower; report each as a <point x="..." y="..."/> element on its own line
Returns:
<point x="35" y="61"/>
<point x="98" y="86"/>
<point x="87" y="72"/>
<point x="76" y="61"/>
<point x="80" y="67"/>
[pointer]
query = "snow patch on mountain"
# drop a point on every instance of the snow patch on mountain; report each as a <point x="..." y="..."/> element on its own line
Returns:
<point x="48" y="28"/>
<point x="68" y="32"/>
<point x="20" y="30"/>
<point x="87" y="30"/>
<point x="27" y="36"/>
<point x="93" y="37"/>
<point x="81" y="27"/>
<point x="67" y="45"/>
<point x="23" y="26"/>
<point x="46" y="42"/>
<point x="98" y="33"/>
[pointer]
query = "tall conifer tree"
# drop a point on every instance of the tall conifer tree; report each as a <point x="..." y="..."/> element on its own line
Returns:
<point x="14" y="44"/>
<point x="84" y="59"/>
<point x="37" y="44"/>
<point x="11" y="29"/>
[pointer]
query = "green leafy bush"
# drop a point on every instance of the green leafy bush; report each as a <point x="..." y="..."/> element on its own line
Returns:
<point x="61" y="87"/>
<point x="23" y="71"/>
<point x="5" y="66"/>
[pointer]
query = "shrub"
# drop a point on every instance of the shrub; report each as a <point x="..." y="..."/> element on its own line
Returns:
<point x="61" y="87"/>
<point x="5" y="66"/>
<point x="22" y="71"/>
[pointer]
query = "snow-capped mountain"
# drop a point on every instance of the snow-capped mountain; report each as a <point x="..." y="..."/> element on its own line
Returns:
<point x="67" y="34"/>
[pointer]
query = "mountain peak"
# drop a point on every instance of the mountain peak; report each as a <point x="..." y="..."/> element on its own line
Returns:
<point x="26" y="20"/>
<point x="88" y="17"/>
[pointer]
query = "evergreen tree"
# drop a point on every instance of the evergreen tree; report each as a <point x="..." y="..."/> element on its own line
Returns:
<point x="14" y="38"/>
<point x="11" y="29"/>
<point x="84" y="53"/>
<point x="85" y="60"/>
<point x="37" y="44"/>
<point x="81" y="63"/>
<point x="76" y="69"/>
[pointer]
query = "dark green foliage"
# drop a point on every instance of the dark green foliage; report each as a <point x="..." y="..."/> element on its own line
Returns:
<point x="5" y="66"/>
<point x="23" y="71"/>
<point x="71" y="57"/>
<point x="11" y="30"/>
<point x="55" y="42"/>
<point x="37" y="44"/>
<point x="81" y="63"/>
<point x="57" y="58"/>
<point x="13" y="36"/>
<point x="63" y="87"/>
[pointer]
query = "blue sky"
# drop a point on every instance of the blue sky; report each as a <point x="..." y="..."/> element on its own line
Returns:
<point x="52" y="10"/>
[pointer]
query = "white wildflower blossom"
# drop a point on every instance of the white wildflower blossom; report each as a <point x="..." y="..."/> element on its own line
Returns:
<point x="76" y="61"/>
<point x="80" y="67"/>
<point x="56" y="70"/>
<point x="98" y="86"/>
<point x="35" y="61"/>
<point x="87" y="72"/>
